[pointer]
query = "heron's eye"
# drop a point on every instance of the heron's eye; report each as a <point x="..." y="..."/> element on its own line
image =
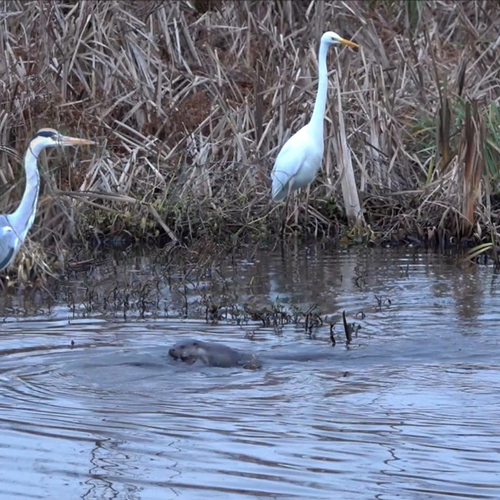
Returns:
<point x="46" y="133"/>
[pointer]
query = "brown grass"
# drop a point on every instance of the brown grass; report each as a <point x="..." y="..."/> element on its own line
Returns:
<point x="191" y="101"/>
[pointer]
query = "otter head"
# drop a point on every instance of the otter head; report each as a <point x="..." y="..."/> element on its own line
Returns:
<point x="187" y="351"/>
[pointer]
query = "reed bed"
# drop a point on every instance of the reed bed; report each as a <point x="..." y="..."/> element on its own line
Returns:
<point x="191" y="101"/>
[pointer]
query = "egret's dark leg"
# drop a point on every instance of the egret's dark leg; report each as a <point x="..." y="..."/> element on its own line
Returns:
<point x="308" y="190"/>
<point x="296" y="209"/>
<point x="285" y="214"/>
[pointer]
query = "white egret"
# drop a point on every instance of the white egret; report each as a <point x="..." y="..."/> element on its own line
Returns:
<point x="300" y="158"/>
<point x="15" y="226"/>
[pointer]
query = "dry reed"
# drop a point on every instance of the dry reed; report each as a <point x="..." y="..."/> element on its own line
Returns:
<point x="191" y="101"/>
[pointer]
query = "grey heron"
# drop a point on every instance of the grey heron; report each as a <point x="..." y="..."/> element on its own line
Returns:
<point x="15" y="226"/>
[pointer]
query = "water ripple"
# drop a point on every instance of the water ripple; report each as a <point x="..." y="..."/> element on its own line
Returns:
<point x="93" y="408"/>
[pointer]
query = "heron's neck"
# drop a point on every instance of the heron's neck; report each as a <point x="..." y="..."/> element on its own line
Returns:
<point x="24" y="216"/>
<point x="318" y="115"/>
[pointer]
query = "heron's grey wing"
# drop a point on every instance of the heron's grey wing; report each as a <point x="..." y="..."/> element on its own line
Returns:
<point x="8" y="245"/>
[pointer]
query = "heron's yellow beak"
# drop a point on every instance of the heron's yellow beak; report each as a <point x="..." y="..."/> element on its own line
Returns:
<point x="343" y="41"/>
<point x="75" y="141"/>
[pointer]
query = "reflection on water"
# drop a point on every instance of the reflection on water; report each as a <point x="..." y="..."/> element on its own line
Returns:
<point x="91" y="406"/>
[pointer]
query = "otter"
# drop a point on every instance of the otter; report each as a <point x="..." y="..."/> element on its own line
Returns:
<point x="214" y="354"/>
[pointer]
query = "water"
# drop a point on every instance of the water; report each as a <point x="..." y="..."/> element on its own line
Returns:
<point x="92" y="408"/>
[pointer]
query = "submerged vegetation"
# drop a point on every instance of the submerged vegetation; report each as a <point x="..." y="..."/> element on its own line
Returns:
<point x="190" y="102"/>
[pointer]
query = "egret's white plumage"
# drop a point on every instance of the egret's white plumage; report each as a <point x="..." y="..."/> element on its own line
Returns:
<point x="15" y="226"/>
<point x="300" y="158"/>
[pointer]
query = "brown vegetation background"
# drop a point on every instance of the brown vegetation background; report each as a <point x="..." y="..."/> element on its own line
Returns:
<point x="191" y="100"/>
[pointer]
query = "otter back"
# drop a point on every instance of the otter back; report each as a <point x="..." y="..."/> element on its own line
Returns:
<point x="212" y="354"/>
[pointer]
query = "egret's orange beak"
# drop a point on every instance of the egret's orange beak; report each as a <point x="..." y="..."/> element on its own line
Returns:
<point x="343" y="41"/>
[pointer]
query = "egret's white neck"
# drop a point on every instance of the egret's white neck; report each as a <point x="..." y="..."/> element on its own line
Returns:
<point x="318" y="116"/>
<point x="22" y="219"/>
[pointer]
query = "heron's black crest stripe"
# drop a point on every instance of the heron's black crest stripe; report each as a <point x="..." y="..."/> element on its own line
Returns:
<point x="7" y="258"/>
<point x="45" y="133"/>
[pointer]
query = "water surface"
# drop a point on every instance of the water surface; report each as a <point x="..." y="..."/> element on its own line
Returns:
<point x="91" y="406"/>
